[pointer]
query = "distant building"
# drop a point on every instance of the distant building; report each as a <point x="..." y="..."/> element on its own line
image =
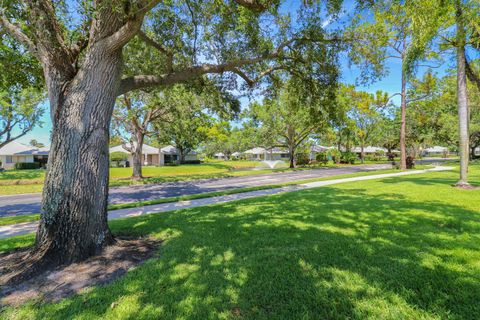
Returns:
<point x="260" y="154"/>
<point x="219" y="156"/>
<point x="16" y="152"/>
<point x="435" y="151"/>
<point x="236" y="155"/>
<point x="316" y="149"/>
<point x="156" y="156"/>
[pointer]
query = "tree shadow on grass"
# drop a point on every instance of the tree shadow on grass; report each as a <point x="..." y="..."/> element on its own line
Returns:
<point x="323" y="253"/>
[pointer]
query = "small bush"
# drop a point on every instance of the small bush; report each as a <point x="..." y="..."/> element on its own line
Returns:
<point x="391" y="156"/>
<point x="117" y="157"/>
<point x="27" y="165"/>
<point x="348" y="157"/>
<point x="322" y="158"/>
<point x="302" y="159"/>
<point x="335" y="155"/>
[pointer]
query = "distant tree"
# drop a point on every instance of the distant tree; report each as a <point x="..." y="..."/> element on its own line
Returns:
<point x="191" y="116"/>
<point x="118" y="157"/>
<point x="384" y="35"/>
<point x="186" y="131"/>
<point x="19" y="113"/>
<point x="35" y="143"/>
<point x="366" y="112"/>
<point x="454" y="25"/>
<point x="294" y="114"/>
<point x="133" y="118"/>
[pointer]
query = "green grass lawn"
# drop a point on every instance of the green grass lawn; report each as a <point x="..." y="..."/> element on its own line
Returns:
<point x="33" y="217"/>
<point x="398" y="248"/>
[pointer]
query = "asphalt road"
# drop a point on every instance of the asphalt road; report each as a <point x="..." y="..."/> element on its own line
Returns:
<point x="30" y="203"/>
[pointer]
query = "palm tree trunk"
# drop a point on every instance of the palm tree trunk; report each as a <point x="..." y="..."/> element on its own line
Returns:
<point x="462" y="98"/>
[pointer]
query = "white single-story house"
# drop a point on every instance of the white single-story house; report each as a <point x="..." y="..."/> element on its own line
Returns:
<point x="316" y="149"/>
<point x="170" y="154"/>
<point x="435" y="151"/>
<point x="156" y="156"/>
<point x="260" y="154"/>
<point x="219" y="156"/>
<point x="150" y="154"/>
<point x="16" y="152"/>
<point x="236" y="155"/>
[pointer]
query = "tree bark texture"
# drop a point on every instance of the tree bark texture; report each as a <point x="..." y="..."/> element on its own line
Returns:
<point x="73" y="224"/>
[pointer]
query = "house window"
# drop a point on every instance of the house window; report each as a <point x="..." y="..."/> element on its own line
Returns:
<point x="8" y="159"/>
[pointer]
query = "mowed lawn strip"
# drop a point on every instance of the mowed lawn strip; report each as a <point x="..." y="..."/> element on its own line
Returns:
<point x="397" y="248"/>
<point x="33" y="217"/>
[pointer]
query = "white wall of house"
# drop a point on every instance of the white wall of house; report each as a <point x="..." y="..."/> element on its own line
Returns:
<point x="8" y="161"/>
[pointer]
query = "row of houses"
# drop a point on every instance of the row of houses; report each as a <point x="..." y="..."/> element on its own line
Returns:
<point x="15" y="152"/>
<point x="153" y="156"/>
<point x="260" y="154"/>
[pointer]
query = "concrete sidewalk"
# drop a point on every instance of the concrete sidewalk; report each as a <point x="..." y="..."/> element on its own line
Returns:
<point x="29" y="227"/>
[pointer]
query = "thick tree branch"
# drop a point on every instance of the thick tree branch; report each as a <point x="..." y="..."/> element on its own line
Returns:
<point x="17" y="33"/>
<point x="144" y="81"/>
<point x="121" y="37"/>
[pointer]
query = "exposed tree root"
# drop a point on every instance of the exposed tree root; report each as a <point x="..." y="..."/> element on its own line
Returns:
<point x="25" y="274"/>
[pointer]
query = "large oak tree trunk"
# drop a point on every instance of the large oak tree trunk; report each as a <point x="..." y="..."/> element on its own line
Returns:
<point x="73" y="224"/>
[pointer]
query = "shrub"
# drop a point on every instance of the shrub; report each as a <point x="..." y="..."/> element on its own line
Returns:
<point x="348" y="157"/>
<point x="302" y="159"/>
<point x="322" y="158"/>
<point x="391" y="156"/>
<point x="192" y="162"/>
<point x="378" y="155"/>
<point x="27" y="165"/>
<point x="335" y="155"/>
<point x="410" y="162"/>
<point x="117" y="157"/>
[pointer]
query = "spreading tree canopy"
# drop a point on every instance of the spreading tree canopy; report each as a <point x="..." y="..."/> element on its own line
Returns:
<point x="84" y="51"/>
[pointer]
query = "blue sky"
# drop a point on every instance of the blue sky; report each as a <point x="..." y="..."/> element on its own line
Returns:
<point x="390" y="83"/>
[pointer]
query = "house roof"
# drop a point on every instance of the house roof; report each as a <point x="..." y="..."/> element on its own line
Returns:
<point x="259" y="150"/>
<point x="236" y="154"/>
<point x="256" y="150"/>
<point x="146" y="149"/>
<point x="319" y="148"/>
<point x="172" y="150"/>
<point x="219" y="154"/>
<point x="17" y="148"/>
<point x="436" y="149"/>
<point x="368" y="149"/>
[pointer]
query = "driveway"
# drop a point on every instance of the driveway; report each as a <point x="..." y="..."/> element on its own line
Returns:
<point x="30" y="203"/>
